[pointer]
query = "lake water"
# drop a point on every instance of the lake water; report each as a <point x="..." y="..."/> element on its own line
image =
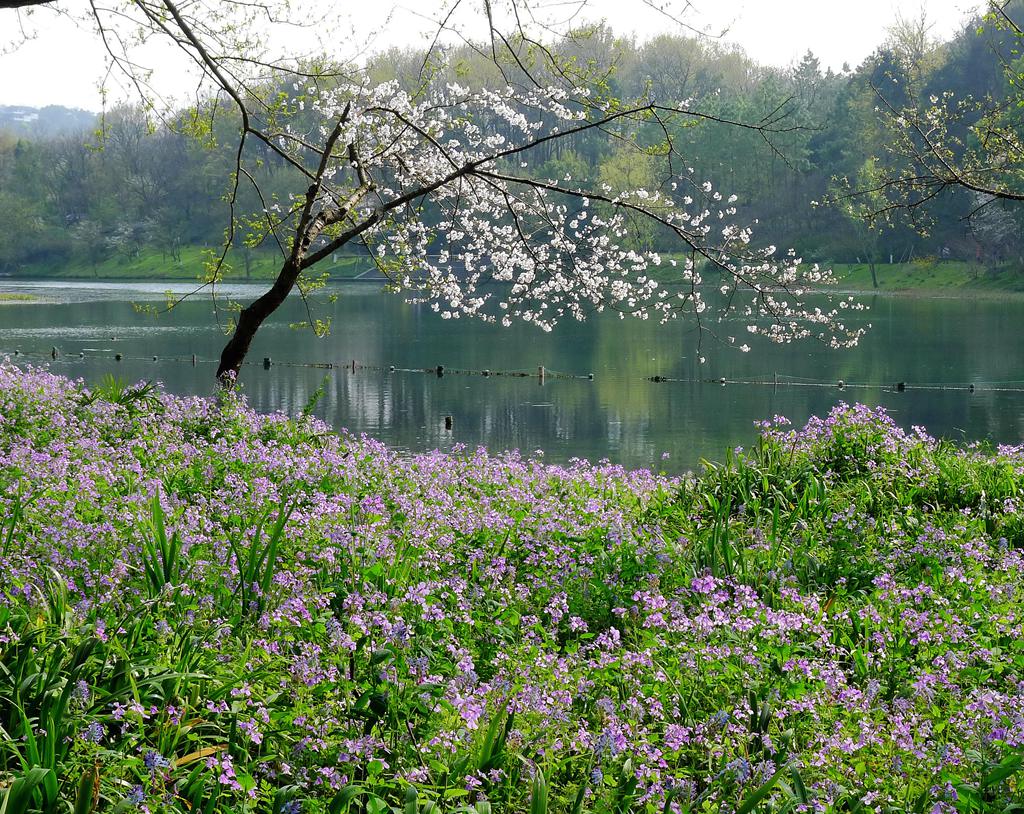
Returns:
<point x="619" y="415"/>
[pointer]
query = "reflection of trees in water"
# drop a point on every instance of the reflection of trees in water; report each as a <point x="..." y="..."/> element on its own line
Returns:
<point x="619" y="414"/>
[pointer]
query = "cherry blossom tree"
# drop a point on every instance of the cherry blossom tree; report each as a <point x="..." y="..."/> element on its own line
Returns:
<point x="443" y="184"/>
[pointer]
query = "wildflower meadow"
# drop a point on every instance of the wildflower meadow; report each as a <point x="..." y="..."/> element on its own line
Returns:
<point x="203" y="609"/>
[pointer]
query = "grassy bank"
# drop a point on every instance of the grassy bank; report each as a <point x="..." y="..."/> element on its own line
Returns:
<point x="186" y="266"/>
<point x="920" y="275"/>
<point x="930" y="275"/>
<point x="203" y="609"/>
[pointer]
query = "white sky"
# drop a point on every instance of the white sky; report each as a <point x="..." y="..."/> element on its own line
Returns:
<point x="64" y="65"/>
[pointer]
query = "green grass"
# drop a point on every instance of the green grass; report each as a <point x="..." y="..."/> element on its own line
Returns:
<point x="151" y="263"/>
<point x="926" y="275"/>
<point x="919" y="275"/>
<point x="929" y="275"/>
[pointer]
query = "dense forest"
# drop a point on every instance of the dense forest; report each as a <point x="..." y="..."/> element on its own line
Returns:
<point x="89" y="191"/>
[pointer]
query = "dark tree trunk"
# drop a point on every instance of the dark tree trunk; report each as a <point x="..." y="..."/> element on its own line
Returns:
<point x="251" y="318"/>
<point x="874" y="276"/>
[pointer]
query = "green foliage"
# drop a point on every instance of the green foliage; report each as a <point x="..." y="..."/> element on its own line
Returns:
<point x="257" y="562"/>
<point x="161" y="554"/>
<point x="133" y="398"/>
<point x="140" y="201"/>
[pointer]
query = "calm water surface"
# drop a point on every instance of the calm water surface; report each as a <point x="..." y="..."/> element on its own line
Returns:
<point x="619" y="415"/>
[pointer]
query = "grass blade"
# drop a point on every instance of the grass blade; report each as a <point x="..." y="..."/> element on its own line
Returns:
<point x="755" y="797"/>
<point x="539" y="795"/>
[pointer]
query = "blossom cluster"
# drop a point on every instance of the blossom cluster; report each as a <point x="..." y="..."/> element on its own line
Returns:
<point x="447" y="187"/>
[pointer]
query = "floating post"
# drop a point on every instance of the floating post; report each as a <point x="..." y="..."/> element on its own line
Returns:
<point x="439" y="370"/>
<point x="449" y="422"/>
<point x="775" y="380"/>
<point x="17" y="352"/>
<point x="391" y="368"/>
<point x="353" y="365"/>
<point x="53" y="352"/>
<point x="840" y="384"/>
<point x="267" y="362"/>
<point x="81" y="354"/>
<point x="540" y="372"/>
<point x="901" y="386"/>
<point x="118" y="357"/>
<point x="590" y="376"/>
<point x="486" y="373"/>
<point x="154" y="359"/>
<point x="970" y="387"/>
<point x="722" y="381"/>
<point x="193" y="360"/>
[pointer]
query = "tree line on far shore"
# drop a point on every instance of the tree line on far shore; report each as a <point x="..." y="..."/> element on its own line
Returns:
<point x="132" y="184"/>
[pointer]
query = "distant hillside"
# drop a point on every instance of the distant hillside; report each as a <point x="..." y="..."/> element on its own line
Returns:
<point x="44" y="122"/>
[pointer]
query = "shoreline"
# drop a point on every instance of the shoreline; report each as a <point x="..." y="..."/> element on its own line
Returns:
<point x="924" y="292"/>
<point x="918" y="278"/>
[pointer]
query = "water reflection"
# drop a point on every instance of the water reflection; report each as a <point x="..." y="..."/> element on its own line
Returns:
<point x="619" y="415"/>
